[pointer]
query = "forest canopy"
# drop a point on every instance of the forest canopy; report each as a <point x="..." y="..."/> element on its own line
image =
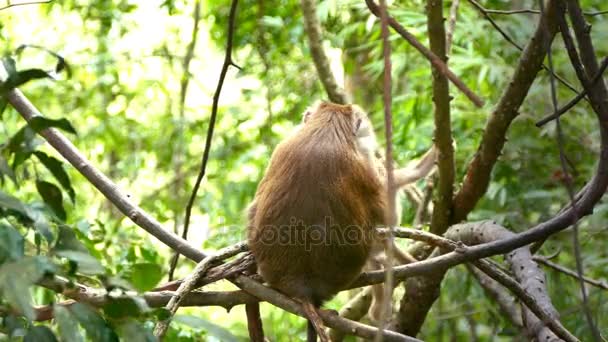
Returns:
<point x="135" y="130"/>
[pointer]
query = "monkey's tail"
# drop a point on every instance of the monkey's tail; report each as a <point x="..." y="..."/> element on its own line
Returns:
<point x="315" y="323"/>
<point x="254" y="322"/>
<point x="311" y="333"/>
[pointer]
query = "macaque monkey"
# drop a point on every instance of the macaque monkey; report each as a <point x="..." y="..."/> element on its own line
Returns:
<point x="312" y="222"/>
<point x="367" y="145"/>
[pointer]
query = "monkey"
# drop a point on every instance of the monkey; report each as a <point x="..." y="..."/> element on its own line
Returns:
<point x="312" y="221"/>
<point x="367" y="145"/>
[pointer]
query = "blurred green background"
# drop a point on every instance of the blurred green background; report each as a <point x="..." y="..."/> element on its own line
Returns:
<point x="125" y="98"/>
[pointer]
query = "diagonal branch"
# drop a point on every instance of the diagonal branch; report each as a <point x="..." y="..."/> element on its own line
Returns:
<point x="216" y="97"/>
<point x="428" y="54"/>
<point x="313" y="32"/>
<point x="178" y="158"/>
<point x="480" y="168"/>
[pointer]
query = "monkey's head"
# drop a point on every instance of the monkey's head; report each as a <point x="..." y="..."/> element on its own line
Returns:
<point x="357" y="118"/>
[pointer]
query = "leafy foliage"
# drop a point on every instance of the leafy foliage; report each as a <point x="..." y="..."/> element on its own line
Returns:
<point x="120" y="102"/>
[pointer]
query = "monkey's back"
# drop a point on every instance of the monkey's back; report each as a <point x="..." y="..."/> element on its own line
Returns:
<point x="312" y="225"/>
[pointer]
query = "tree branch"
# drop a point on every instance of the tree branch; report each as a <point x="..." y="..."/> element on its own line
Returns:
<point x="313" y="31"/>
<point x="479" y="169"/>
<point x="178" y="158"/>
<point x="216" y="97"/>
<point x="436" y="61"/>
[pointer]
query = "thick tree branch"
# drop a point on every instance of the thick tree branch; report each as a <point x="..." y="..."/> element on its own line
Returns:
<point x="480" y="168"/>
<point x="416" y="302"/>
<point x="313" y="31"/>
<point x="500" y="295"/>
<point x="525" y="270"/>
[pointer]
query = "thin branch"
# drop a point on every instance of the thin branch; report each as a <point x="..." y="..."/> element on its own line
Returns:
<point x="485" y="13"/>
<point x="423" y="209"/>
<point x="533" y="11"/>
<point x="517" y="11"/>
<point x="526" y="272"/>
<point x="178" y="158"/>
<point x="101" y="182"/>
<point x="480" y="168"/>
<point x="190" y="283"/>
<point x="451" y="25"/>
<point x="216" y="97"/>
<point x="521" y="261"/>
<point x="428" y="54"/>
<point x="24" y="4"/>
<point x="495" y="291"/>
<point x="561" y="111"/>
<point x="390" y="215"/>
<point x="313" y="32"/>
<point x="330" y="318"/>
<point x="602" y="284"/>
<point x="530" y="302"/>
<point x="588" y="55"/>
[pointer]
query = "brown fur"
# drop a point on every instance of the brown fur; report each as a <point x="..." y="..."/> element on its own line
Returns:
<point x="317" y="183"/>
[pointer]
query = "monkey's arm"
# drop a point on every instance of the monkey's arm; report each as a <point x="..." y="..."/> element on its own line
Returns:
<point x="416" y="170"/>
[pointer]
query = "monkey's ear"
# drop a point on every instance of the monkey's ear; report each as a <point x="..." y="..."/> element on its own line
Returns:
<point x="310" y="111"/>
<point x="357" y="126"/>
<point x="306" y="115"/>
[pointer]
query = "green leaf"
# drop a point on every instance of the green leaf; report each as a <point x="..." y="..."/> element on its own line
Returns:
<point x="11" y="203"/>
<point x="11" y="244"/>
<point x="5" y="169"/>
<point x="96" y="327"/>
<point x="56" y="167"/>
<point x="135" y="332"/>
<point x="52" y="197"/>
<point x="87" y="264"/>
<point x="145" y="276"/>
<point x="22" y="142"/>
<point x="123" y="307"/>
<point x="69" y="247"/>
<point x="39" y="123"/>
<point x="68" y="326"/>
<point x="16" y="279"/>
<point x="3" y="105"/>
<point x="212" y="329"/>
<point x="39" y="333"/>
<point x="19" y="78"/>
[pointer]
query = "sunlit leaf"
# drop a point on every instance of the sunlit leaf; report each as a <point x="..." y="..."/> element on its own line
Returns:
<point x="145" y="276"/>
